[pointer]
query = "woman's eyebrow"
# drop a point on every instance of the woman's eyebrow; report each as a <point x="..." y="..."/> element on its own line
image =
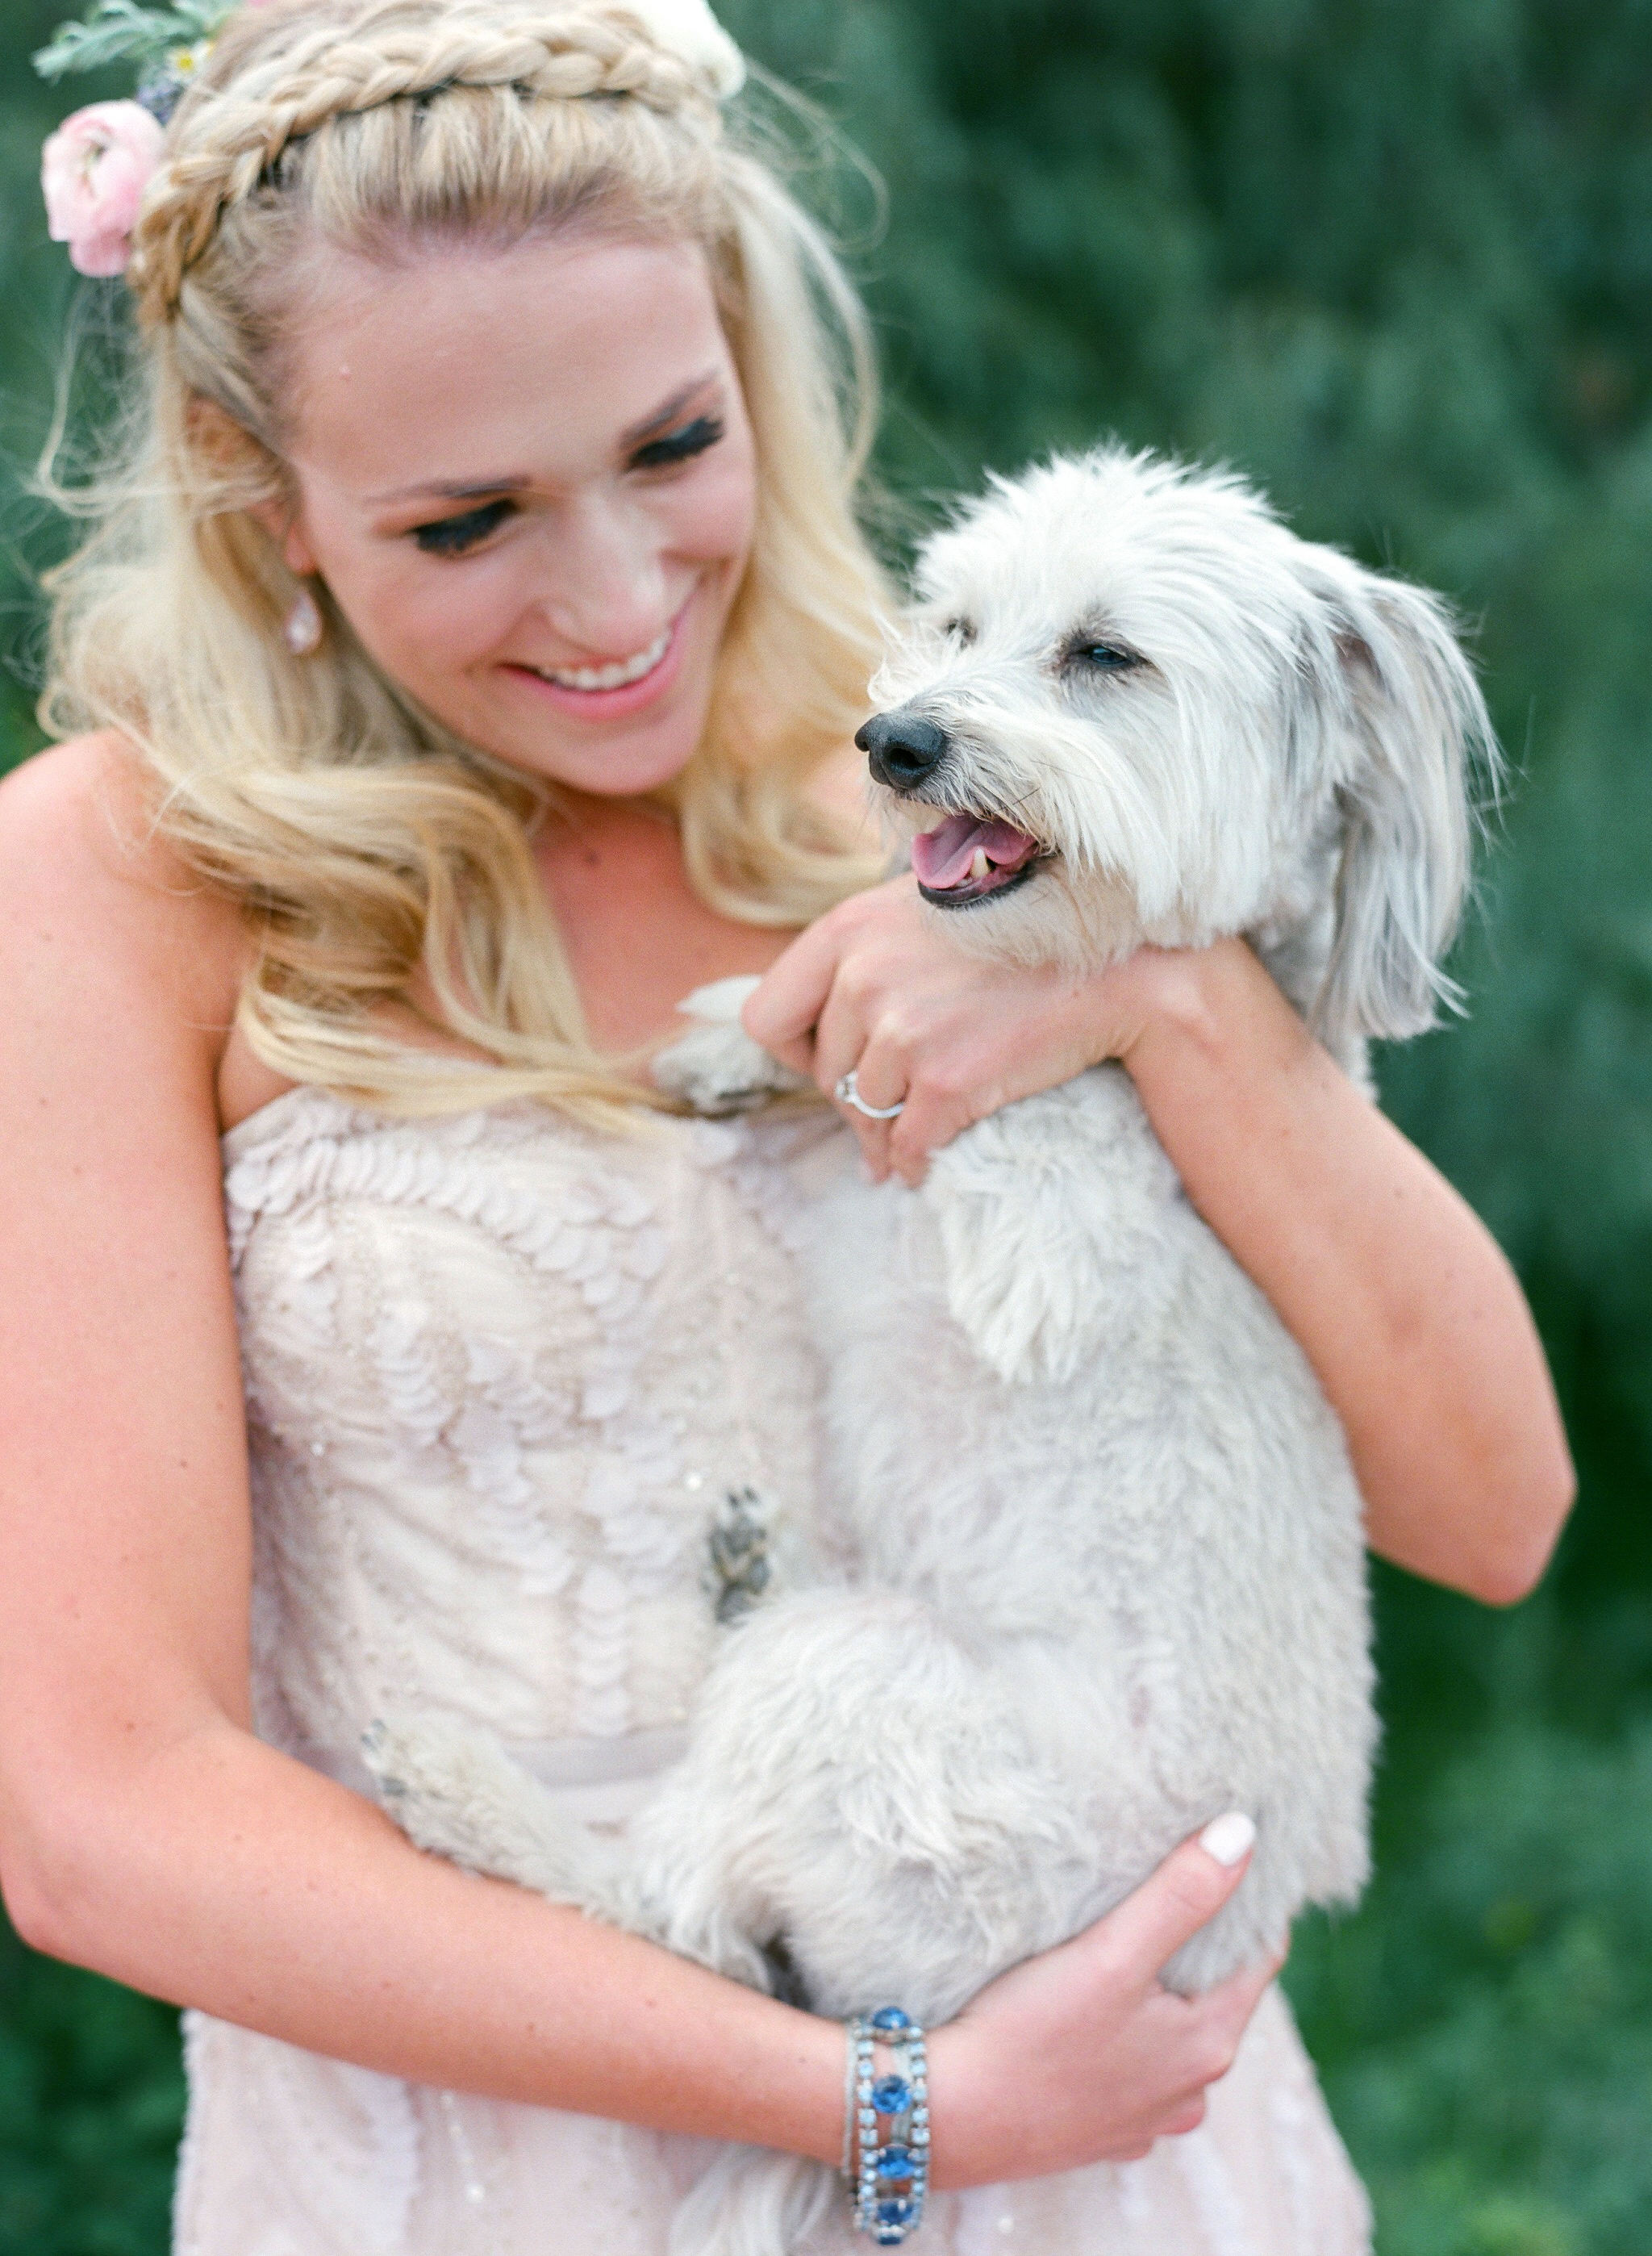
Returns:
<point x="470" y="490"/>
<point x="641" y="432"/>
<point x="479" y="489"/>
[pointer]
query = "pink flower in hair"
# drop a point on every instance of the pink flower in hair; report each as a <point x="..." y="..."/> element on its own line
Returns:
<point x="94" y="170"/>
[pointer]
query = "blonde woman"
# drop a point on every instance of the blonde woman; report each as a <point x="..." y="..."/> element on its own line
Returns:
<point x="465" y="660"/>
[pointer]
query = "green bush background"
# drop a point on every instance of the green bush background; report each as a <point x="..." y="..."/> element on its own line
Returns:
<point x="1394" y="258"/>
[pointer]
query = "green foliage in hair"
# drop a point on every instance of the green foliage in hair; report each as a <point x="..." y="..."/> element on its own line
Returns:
<point x="119" y="30"/>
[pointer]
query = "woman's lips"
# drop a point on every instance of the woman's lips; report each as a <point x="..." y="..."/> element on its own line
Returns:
<point x="612" y="704"/>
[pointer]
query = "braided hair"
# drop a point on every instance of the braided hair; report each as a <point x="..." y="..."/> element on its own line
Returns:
<point x="365" y="842"/>
<point x="284" y="74"/>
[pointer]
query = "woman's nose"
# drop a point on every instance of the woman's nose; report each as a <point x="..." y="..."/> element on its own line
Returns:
<point x="605" y="590"/>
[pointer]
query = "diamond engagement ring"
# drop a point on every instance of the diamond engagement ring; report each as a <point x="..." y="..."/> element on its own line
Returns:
<point x="848" y="1092"/>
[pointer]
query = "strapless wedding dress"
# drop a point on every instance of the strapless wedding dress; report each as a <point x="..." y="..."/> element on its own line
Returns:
<point x="501" y="1375"/>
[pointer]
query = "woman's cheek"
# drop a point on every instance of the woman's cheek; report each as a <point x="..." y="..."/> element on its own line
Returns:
<point x="712" y="518"/>
<point x="430" y="621"/>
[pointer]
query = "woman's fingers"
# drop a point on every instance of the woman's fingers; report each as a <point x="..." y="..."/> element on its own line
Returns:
<point x="845" y="1043"/>
<point x="1228" y="2008"/>
<point x="784" y="1008"/>
<point x="825" y="1009"/>
<point x="1101" y="2058"/>
<point x="950" y="1090"/>
<point x="877" y="987"/>
<point x="1190" y="1888"/>
<point x="806" y="1014"/>
<point x="1186" y="2117"/>
<point x="840" y="1036"/>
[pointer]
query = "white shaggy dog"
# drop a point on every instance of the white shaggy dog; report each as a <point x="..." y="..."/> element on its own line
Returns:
<point x="1111" y="1574"/>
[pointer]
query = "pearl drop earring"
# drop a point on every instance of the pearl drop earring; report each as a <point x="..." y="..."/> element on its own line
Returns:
<point x="302" y="627"/>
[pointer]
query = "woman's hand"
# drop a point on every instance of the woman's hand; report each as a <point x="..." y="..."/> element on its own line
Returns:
<point x="1081" y="2056"/>
<point x="1395" y="1292"/>
<point x="879" y="986"/>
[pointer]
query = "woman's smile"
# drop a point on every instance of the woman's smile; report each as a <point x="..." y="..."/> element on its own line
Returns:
<point x="611" y="689"/>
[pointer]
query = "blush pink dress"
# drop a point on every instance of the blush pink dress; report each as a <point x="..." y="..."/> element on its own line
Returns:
<point x="500" y="1374"/>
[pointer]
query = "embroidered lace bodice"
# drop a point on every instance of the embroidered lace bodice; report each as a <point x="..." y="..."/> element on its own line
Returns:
<point x="502" y="1376"/>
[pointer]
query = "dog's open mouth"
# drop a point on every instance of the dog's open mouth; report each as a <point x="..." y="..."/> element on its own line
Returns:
<point x="965" y="860"/>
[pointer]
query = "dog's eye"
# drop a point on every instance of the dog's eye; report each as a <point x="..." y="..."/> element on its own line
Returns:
<point x="1105" y="657"/>
<point x="960" y="630"/>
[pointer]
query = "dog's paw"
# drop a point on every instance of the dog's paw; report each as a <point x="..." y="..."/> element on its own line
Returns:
<point x="453" y="1790"/>
<point x="716" y="1068"/>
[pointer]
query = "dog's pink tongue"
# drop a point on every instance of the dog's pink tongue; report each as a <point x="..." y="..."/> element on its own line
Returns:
<point x="943" y="857"/>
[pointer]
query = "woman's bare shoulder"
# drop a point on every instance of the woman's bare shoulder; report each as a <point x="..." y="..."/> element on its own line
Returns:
<point x="78" y="839"/>
<point x="91" y="804"/>
<point x="103" y="915"/>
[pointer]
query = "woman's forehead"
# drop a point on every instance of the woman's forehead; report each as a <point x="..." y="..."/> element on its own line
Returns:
<point x="471" y="366"/>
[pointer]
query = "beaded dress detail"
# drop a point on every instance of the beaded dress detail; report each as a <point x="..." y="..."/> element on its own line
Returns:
<point x="524" y="1406"/>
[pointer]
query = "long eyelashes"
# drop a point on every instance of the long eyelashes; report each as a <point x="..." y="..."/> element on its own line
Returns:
<point x="450" y="536"/>
<point x="681" y="445"/>
<point x="454" y="536"/>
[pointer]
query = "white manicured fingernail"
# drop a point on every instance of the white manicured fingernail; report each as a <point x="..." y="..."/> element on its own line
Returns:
<point x="1229" y="1838"/>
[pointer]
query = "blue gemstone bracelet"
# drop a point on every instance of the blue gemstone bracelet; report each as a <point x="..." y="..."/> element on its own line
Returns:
<point x="890" y="2122"/>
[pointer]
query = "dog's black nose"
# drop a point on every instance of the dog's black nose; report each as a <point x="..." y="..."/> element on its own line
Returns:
<point x="901" y="750"/>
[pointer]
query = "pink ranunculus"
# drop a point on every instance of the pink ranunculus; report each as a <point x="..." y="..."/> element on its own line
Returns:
<point x="94" y="170"/>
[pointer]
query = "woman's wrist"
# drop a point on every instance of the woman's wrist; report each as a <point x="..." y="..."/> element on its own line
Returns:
<point x="793" y="2061"/>
<point x="1209" y="1012"/>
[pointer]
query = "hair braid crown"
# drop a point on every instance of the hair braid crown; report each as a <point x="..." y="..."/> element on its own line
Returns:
<point x="235" y="123"/>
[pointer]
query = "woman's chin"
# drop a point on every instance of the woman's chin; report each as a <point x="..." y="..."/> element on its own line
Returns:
<point x="621" y="762"/>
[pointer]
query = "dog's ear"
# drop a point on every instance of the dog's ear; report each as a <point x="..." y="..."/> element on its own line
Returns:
<point x="1422" y="736"/>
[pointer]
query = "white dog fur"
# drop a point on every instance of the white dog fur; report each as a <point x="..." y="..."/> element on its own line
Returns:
<point x="1111" y="1577"/>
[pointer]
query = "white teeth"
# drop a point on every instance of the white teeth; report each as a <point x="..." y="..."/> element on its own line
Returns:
<point x="978" y="863"/>
<point x="622" y="671"/>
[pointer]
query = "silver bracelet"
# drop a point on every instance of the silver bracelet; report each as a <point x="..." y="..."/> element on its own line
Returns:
<point x="892" y="2167"/>
<point x="851" y="2061"/>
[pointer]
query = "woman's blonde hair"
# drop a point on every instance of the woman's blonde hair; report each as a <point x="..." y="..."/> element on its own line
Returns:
<point x="363" y="838"/>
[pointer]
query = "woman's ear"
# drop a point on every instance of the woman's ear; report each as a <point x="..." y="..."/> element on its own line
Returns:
<point x="245" y="475"/>
<point x="1421" y="734"/>
<point x="285" y="531"/>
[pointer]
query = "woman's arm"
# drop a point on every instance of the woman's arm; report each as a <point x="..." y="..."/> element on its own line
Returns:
<point x="145" y="1832"/>
<point x="1397" y="1294"/>
<point x="1401" y="1297"/>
